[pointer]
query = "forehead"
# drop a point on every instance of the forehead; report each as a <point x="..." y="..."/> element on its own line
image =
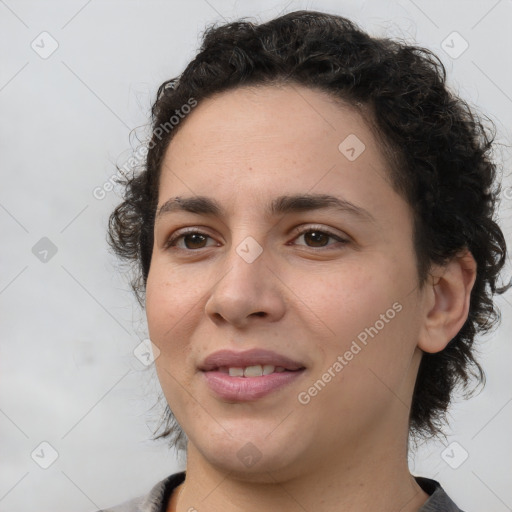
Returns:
<point x="273" y="116"/>
<point x="252" y="142"/>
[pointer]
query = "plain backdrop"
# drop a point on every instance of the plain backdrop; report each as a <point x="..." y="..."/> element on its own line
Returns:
<point x="76" y="77"/>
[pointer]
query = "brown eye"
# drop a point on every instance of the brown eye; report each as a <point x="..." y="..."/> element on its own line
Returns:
<point x="318" y="238"/>
<point x="192" y="240"/>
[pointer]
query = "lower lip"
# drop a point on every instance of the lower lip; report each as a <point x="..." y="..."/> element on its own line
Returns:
<point x="244" y="389"/>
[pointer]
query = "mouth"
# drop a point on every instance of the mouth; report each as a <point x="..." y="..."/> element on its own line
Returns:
<point x="250" y="375"/>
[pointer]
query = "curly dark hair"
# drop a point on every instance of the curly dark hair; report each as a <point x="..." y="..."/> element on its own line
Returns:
<point x="437" y="147"/>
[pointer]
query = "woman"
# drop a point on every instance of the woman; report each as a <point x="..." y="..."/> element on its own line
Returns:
<point x="315" y="249"/>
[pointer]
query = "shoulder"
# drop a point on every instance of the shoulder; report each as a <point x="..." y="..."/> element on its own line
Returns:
<point x="154" y="500"/>
<point x="439" y="501"/>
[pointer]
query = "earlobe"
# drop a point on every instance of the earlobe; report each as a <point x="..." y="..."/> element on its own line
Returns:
<point x="447" y="302"/>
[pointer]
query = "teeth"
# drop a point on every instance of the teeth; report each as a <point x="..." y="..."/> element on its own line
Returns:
<point x="268" y="369"/>
<point x="252" y="371"/>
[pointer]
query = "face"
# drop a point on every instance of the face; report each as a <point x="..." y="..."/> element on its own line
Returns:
<point x="330" y="286"/>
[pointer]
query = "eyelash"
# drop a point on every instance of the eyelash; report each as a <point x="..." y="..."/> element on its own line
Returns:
<point x="298" y="232"/>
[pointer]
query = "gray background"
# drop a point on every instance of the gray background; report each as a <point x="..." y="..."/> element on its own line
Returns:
<point x="69" y="324"/>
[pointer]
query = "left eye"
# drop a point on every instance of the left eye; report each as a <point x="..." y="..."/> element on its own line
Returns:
<point x="318" y="237"/>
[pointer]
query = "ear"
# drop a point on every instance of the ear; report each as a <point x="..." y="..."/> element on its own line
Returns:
<point x="447" y="301"/>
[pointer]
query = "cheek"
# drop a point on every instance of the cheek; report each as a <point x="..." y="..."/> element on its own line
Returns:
<point x="171" y="309"/>
<point x="349" y="298"/>
<point x="170" y="317"/>
<point x="368" y="313"/>
<point x="171" y="293"/>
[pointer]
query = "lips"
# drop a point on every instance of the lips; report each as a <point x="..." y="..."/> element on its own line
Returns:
<point x="253" y="357"/>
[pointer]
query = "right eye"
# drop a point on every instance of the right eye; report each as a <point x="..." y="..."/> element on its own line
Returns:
<point x="191" y="238"/>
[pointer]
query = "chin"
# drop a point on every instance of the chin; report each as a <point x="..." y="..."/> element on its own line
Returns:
<point x="249" y="456"/>
<point x="253" y="466"/>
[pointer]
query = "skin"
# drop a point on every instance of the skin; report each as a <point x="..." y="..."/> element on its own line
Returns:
<point x="305" y="297"/>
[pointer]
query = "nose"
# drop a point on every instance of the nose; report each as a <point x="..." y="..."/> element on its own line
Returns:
<point x="247" y="292"/>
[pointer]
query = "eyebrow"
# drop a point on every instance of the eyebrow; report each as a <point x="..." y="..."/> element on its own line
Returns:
<point x="204" y="205"/>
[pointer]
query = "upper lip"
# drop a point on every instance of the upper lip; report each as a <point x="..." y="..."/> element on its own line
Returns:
<point x="251" y="357"/>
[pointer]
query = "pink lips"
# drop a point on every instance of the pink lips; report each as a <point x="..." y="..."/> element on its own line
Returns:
<point x="244" y="389"/>
<point x="248" y="388"/>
